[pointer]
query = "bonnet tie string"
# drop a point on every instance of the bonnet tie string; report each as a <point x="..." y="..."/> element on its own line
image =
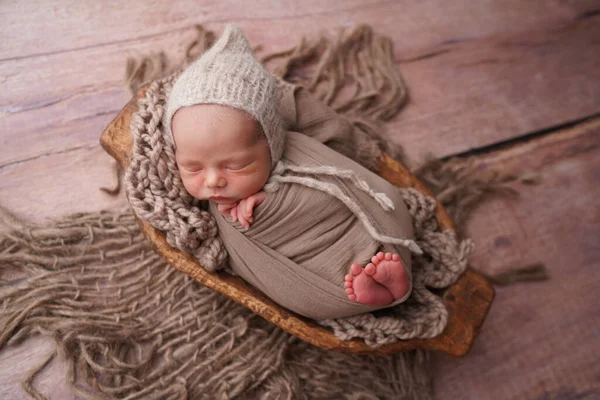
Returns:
<point x="384" y="201"/>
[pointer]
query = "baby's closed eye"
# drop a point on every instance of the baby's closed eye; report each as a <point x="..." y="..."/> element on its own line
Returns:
<point x="240" y="166"/>
<point x="192" y="168"/>
<point x="237" y="166"/>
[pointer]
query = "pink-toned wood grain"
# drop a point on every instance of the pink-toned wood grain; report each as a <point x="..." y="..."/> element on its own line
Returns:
<point x="140" y="21"/>
<point x="17" y="360"/>
<point x="58" y="184"/>
<point x="540" y="340"/>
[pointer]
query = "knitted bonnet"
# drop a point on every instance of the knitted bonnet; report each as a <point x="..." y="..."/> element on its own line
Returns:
<point x="229" y="74"/>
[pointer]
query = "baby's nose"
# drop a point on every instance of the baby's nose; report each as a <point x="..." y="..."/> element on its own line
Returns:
<point x="214" y="179"/>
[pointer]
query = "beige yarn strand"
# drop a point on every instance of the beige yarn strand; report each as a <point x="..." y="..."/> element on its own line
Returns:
<point x="381" y="198"/>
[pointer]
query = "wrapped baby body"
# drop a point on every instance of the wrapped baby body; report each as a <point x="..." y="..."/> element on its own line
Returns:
<point x="303" y="240"/>
<point x="324" y="218"/>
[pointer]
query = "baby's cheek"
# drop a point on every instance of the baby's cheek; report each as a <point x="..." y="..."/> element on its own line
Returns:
<point x="245" y="185"/>
<point x="193" y="185"/>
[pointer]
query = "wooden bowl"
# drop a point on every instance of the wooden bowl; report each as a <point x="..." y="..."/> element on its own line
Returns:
<point x="467" y="300"/>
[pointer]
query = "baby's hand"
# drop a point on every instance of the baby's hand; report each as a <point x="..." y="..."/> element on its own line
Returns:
<point x="245" y="208"/>
<point x="228" y="210"/>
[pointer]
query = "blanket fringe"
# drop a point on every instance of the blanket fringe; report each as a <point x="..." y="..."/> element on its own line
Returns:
<point x="131" y="326"/>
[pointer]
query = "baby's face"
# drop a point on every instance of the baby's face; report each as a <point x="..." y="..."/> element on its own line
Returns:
<point x="221" y="153"/>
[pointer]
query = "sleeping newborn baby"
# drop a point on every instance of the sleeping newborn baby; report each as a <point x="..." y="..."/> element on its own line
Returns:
<point x="297" y="209"/>
<point x="223" y="156"/>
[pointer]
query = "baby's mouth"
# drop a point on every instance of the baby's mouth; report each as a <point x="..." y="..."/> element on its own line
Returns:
<point x="219" y="198"/>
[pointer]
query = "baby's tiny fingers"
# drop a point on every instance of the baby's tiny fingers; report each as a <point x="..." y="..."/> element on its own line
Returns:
<point x="244" y="222"/>
<point x="260" y="197"/>
<point x="250" y="206"/>
<point x="242" y="215"/>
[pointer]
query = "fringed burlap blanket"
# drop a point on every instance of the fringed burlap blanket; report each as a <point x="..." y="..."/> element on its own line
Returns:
<point x="130" y="326"/>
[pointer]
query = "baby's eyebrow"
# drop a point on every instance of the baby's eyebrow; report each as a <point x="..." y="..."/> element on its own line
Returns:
<point x="236" y="157"/>
<point x="189" y="162"/>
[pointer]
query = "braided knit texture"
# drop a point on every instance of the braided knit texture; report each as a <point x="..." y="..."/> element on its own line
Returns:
<point x="155" y="189"/>
<point x="157" y="195"/>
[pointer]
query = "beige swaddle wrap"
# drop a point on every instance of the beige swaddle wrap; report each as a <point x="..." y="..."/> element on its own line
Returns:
<point x="303" y="240"/>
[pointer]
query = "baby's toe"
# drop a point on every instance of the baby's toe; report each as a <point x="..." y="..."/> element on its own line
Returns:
<point x="370" y="269"/>
<point x="380" y="255"/>
<point x="349" y="278"/>
<point x="347" y="284"/>
<point x="350" y="291"/>
<point x="355" y="269"/>
<point x="352" y="297"/>
<point x="395" y="257"/>
<point x="388" y="256"/>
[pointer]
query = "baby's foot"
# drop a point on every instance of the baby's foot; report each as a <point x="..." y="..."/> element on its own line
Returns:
<point x="387" y="270"/>
<point x="362" y="288"/>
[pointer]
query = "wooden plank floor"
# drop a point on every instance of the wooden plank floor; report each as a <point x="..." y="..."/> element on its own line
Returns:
<point x="515" y="82"/>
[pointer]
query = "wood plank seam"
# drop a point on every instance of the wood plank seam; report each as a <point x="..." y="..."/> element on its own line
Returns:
<point x="559" y="129"/>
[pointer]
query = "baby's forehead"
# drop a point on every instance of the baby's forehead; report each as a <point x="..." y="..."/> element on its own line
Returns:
<point x="217" y="118"/>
